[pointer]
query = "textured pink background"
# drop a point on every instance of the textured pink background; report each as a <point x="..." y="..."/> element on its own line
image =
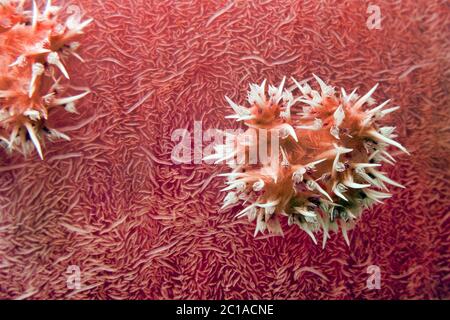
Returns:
<point x="111" y="202"/>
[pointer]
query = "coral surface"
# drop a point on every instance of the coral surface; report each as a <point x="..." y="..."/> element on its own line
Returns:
<point x="113" y="203"/>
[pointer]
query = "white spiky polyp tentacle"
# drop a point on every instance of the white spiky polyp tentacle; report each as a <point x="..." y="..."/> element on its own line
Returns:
<point x="326" y="172"/>
<point x="24" y="114"/>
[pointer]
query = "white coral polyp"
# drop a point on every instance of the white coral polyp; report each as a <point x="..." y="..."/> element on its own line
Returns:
<point x="327" y="169"/>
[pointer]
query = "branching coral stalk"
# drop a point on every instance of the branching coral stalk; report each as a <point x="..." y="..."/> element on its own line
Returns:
<point x="34" y="49"/>
<point x="326" y="167"/>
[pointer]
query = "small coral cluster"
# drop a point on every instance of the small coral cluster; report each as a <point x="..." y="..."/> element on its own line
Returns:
<point x="325" y="167"/>
<point x="34" y="48"/>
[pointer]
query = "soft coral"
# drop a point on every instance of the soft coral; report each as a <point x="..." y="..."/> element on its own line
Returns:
<point x="34" y="46"/>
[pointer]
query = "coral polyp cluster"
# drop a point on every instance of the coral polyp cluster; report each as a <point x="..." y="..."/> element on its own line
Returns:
<point x="324" y="168"/>
<point x="34" y="48"/>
